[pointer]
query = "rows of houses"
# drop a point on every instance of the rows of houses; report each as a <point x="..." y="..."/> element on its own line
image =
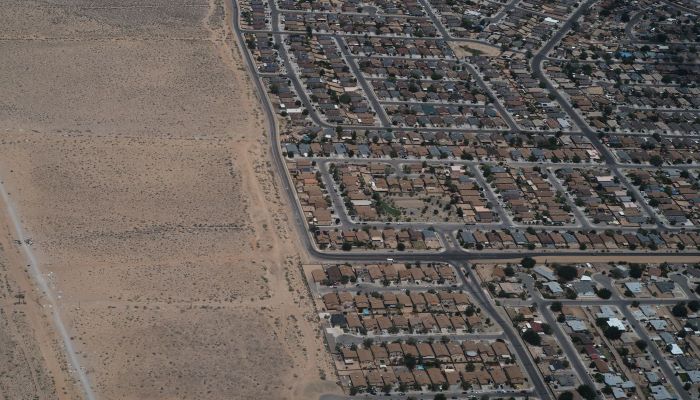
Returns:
<point x="451" y="366"/>
<point x="521" y="94"/>
<point x="673" y="150"/>
<point x="603" y="197"/>
<point x="604" y="240"/>
<point x="329" y="83"/>
<point x="400" y="47"/>
<point x="255" y="14"/>
<point x="528" y="195"/>
<point x="447" y="189"/>
<point x="637" y="376"/>
<point x="408" y="7"/>
<point x="391" y="274"/>
<point x="376" y="24"/>
<point x="410" y="311"/>
<point x="629" y="87"/>
<point x="378" y="238"/>
<point x="674" y="194"/>
<point x="311" y="192"/>
<point x="465" y="145"/>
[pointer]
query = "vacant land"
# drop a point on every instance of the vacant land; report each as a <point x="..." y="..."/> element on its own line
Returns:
<point x="134" y="150"/>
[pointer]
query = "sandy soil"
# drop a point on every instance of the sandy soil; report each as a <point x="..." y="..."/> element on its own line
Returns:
<point x="133" y="148"/>
<point x="467" y="49"/>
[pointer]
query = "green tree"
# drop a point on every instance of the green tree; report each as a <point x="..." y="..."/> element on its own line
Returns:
<point x="566" y="396"/>
<point x="566" y="272"/>
<point x="532" y="337"/>
<point x="641" y="344"/>
<point x="679" y="310"/>
<point x="528" y="262"/>
<point x="613" y="333"/>
<point x="586" y="392"/>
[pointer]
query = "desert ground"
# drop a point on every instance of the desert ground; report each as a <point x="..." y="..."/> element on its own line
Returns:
<point x="133" y="149"/>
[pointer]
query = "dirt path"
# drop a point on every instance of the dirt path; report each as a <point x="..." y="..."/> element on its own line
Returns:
<point x="24" y="271"/>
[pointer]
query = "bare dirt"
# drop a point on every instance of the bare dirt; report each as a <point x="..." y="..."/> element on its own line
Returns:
<point x="134" y="150"/>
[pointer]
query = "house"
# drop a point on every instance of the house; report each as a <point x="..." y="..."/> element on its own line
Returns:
<point x="357" y="380"/>
<point x="514" y="374"/>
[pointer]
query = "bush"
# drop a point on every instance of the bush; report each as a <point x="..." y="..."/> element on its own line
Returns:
<point x="604" y="293"/>
<point x="641" y="344"/>
<point x="556" y="306"/>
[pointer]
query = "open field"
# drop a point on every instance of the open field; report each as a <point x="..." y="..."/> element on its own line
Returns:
<point x="133" y="150"/>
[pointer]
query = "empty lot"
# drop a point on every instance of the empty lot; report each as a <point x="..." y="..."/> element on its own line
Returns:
<point x="132" y="145"/>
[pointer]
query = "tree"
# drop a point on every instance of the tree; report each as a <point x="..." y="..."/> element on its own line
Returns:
<point x="528" y="262"/>
<point x="613" y="333"/>
<point x="679" y="310"/>
<point x="347" y="246"/>
<point x="636" y="271"/>
<point x="440" y="396"/>
<point x="509" y="271"/>
<point x="532" y="337"/>
<point x="604" y="293"/>
<point x="694" y="305"/>
<point x="566" y="396"/>
<point x="409" y="361"/>
<point x="546" y="329"/>
<point x="641" y="344"/>
<point x="586" y="392"/>
<point x="566" y="272"/>
<point x="555" y="306"/>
